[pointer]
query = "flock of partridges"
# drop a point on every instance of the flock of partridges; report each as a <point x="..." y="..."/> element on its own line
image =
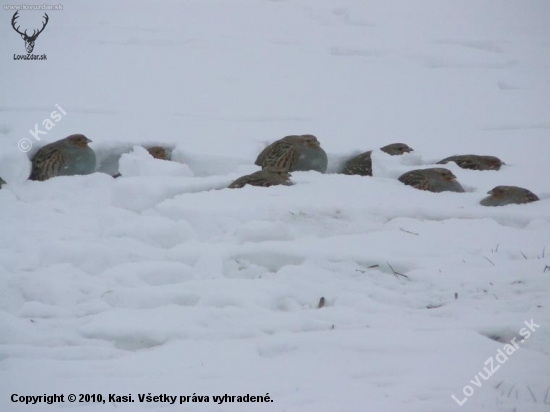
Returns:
<point x="72" y="156"/>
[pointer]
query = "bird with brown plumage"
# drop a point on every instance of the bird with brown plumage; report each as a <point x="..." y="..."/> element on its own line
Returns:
<point x="435" y="179"/>
<point x="295" y="153"/>
<point x="361" y="165"/>
<point x="507" y="195"/>
<point x="474" y="162"/>
<point x="66" y="157"/>
<point x="268" y="176"/>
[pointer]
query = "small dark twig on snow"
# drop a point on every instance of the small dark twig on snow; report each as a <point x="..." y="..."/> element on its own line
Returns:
<point x="396" y="273"/>
<point x="490" y="261"/>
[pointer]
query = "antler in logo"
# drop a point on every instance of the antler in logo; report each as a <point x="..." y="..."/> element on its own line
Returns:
<point x="29" y="40"/>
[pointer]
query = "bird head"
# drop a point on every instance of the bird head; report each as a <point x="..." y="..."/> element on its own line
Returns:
<point x="310" y="141"/>
<point x="78" y="140"/>
<point x="445" y="174"/>
<point x="157" y="152"/>
<point x="396" y="149"/>
<point x="498" y="192"/>
<point x="493" y="162"/>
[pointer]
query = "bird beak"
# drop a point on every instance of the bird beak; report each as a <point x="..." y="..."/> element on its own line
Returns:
<point x="89" y="140"/>
<point x="490" y="192"/>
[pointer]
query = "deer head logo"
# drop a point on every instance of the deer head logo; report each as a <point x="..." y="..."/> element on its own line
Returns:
<point x="29" y="40"/>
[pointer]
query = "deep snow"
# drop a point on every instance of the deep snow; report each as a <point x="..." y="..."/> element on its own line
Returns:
<point x="164" y="282"/>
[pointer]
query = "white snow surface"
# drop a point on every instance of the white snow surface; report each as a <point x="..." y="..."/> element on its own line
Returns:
<point x="164" y="282"/>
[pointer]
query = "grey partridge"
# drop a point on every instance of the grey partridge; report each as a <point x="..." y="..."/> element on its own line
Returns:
<point x="474" y="162"/>
<point x="506" y="195"/>
<point x="65" y="157"/>
<point x="361" y="165"/>
<point x="295" y="153"/>
<point x="268" y="176"/>
<point x="159" y="152"/>
<point x="436" y="179"/>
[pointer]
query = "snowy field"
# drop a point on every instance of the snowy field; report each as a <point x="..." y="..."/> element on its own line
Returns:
<point x="163" y="282"/>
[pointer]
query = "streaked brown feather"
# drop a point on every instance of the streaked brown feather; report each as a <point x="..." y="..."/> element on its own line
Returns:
<point x="282" y="153"/>
<point x="359" y="165"/>
<point x="436" y="179"/>
<point x="474" y="162"/>
<point x="269" y="176"/>
<point x="47" y="162"/>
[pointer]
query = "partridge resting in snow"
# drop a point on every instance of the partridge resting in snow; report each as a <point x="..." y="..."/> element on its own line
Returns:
<point x="159" y="152"/>
<point x="66" y="157"/>
<point x="474" y="162"/>
<point x="506" y="195"/>
<point x="295" y="153"/>
<point x="436" y="179"/>
<point x="362" y="164"/>
<point x="268" y="176"/>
